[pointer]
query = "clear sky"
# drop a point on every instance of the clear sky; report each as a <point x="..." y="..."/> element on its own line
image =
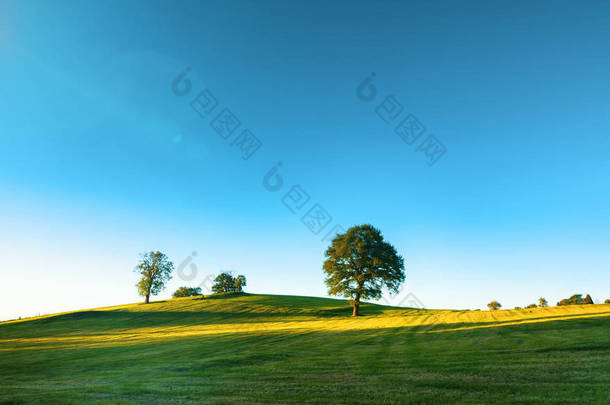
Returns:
<point x="101" y="160"/>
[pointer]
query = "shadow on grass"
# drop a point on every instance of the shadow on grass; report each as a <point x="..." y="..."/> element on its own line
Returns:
<point x="255" y="309"/>
<point x="218" y="296"/>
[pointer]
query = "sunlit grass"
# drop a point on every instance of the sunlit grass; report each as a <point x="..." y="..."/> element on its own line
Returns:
<point x="301" y="349"/>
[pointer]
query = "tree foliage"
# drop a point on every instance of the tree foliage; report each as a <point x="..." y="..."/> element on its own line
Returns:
<point x="494" y="305"/>
<point x="607" y="301"/>
<point x="360" y="263"/>
<point x="155" y="270"/>
<point x="575" y="299"/>
<point x="225" y="282"/>
<point x="187" y="292"/>
<point x="240" y="282"/>
<point x="542" y="302"/>
<point x="588" y="300"/>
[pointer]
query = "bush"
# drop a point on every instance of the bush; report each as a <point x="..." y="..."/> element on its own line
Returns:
<point x="607" y="301"/>
<point x="494" y="305"/>
<point x="187" y="292"/>
<point x="518" y="308"/>
<point x="532" y="306"/>
<point x="588" y="300"/>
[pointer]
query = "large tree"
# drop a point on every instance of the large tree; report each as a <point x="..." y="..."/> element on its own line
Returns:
<point x="360" y="263"/>
<point x="156" y="270"/>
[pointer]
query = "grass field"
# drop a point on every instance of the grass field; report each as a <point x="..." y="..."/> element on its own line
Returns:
<point x="270" y="349"/>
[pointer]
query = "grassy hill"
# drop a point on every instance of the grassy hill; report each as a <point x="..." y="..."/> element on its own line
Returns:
<point x="267" y="348"/>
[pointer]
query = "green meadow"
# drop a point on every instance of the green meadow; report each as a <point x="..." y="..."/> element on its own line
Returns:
<point x="248" y="348"/>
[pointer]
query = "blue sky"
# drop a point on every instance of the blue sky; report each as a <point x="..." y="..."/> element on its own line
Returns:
<point x="100" y="160"/>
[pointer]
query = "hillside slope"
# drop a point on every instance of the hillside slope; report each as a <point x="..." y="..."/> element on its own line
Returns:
<point x="265" y="348"/>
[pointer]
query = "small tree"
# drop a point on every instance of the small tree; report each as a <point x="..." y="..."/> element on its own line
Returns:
<point x="224" y="282"/>
<point x="542" y="302"/>
<point x="494" y="305"/>
<point x="532" y="306"/>
<point x="239" y="283"/>
<point x="156" y="270"/>
<point x="607" y="301"/>
<point x="360" y="263"/>
<point x="187" y="292"/>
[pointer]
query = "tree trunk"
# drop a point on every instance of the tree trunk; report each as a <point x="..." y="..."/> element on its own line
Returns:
<point x="356" y="304"/>
<point x="147" y="298"/>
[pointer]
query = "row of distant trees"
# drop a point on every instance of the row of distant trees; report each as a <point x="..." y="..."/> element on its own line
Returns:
<point x="225" y="282"/>
<point x="575" y="299"/>
<point x="155" y="270"/>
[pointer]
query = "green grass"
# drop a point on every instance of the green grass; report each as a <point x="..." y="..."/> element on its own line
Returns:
<point x="284" y="349"/>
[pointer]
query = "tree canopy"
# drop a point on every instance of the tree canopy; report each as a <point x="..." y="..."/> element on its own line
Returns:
<point x="360" y="263"/>
<point x="576" y="299"/>
<point x="225" y="282"/>
<point x="156" y="270"/>
<point x="239" y="282"/>
<point x="494" y="305"/>
<point x="187" y="292"/>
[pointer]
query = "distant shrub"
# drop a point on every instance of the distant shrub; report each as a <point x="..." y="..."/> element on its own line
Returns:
<point x="518" y="308"/>
<point x="607" y="301"/>
<point x="494" y="305"/>
<point x="532" y="306"/>
<point x="187" y="292"/>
